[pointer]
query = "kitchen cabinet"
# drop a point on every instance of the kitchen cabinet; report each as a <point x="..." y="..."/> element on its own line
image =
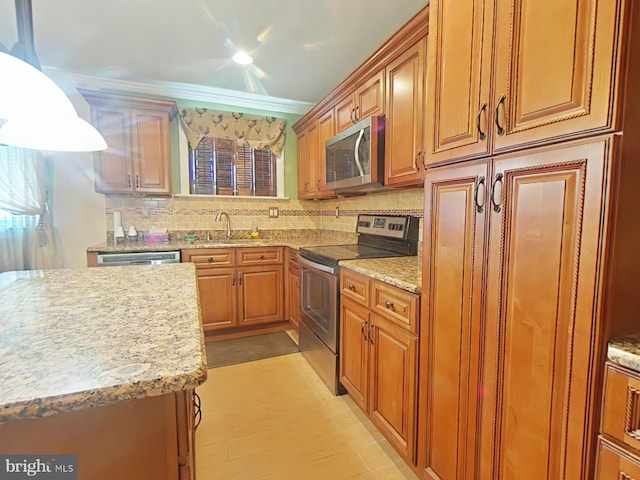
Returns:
<point x="367" y="100"/>
<point x="292" y="288"/>
<point x="404" y="124"/>
<point x="312" y="157"/>
<point x="511" y="75"/>
<point x="239" y="288"/>
<point x="521" y="331"/>
<point x="378" y="358"/>
<point x="138" y="160"/>
<point x="619" y="440"/>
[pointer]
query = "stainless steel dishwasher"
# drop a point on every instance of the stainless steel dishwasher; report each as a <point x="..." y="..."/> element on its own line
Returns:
<point x="137" y="258"/>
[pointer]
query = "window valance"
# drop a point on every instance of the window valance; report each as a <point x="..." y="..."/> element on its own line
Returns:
<point x="257" y="131"/>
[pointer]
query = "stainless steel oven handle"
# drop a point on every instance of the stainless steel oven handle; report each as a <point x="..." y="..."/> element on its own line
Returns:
<point x="318" y="266"/>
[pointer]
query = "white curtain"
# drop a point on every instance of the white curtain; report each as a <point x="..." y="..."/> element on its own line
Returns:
<point x="27" y="239"/>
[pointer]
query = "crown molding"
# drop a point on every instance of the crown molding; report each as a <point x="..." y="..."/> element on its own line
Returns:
<point x="188" y="91"/>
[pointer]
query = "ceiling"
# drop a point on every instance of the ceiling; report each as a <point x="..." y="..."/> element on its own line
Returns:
<point x="302" y="49"/>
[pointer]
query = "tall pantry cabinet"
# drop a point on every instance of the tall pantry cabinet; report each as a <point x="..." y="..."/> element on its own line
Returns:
<point x="530" y="257"/>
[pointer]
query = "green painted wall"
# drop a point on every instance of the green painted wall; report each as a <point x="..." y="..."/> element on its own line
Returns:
<point x="290" y="144"/>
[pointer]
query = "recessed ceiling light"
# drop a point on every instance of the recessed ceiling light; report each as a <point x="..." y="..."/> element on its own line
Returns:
<point x="243" y="58"/>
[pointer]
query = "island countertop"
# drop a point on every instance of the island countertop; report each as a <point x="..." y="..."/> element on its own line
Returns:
<point x="81" y="338"/>
<point x="625" y="351"/>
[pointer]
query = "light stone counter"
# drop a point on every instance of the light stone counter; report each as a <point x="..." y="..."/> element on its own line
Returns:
<point x="402" y="272"/>
<point x="73" y="339"/>
<point x="625" y="351"/>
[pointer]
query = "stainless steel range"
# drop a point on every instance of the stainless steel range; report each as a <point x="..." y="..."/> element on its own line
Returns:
<point x="378" y="236"/>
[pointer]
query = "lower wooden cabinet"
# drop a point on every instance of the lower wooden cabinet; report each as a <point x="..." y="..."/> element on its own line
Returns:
<point x="239" y="288"/>
<point x="619" y="441"/>
<point x="378" y="367"/>
<point x="292" y="288"/>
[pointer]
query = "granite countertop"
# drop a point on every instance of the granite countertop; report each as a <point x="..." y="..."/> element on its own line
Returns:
<point x="284" y="239"/>
<point x="402" y="272"/>
<point x="81" y="338"/>
<point x="625" y="351"/>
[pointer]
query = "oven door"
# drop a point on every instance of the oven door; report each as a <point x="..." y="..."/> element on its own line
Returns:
<point x="319" y="301"/>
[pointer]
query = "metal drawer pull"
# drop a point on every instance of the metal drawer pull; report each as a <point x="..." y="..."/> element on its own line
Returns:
<point x="481" y="134"/>
<point x="197" y="414"/>
<point x="494" y="187"/>
<point x="479" y="199"/>
<point x="261" y="257"/>
<point x="351" y="287"/>
<point x="389" y="304"/>
<point x="210" y="259"/>
<point x="501" y="100"/>
<point x="369" y="333"/>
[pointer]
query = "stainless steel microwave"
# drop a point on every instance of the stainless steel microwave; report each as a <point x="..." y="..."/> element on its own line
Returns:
<point x="355" y="157"/>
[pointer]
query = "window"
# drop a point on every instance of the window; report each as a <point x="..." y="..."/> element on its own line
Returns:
<point x="220" y="166"/>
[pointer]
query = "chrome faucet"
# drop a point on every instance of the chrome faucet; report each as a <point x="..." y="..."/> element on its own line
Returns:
<point x="219" y="217"/>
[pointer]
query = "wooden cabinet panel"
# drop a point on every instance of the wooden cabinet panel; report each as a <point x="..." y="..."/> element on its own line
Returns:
<point x="112" y="166"/>
<point x="616" y="464"/>
<point x="308" y="162"/>
<point x="542" y="267"/>
<point x="260" y="295"/>
<point x="354" y="286"/>
<point x="208" y="258"/>
<point x="302" y="163"/>
<point x="217" y="297"/>
<point x="621" y="406"/>
<point x="404" y="123"/>
<point x="151" y="142"/>
<point x="326" y="129"/>
<point x="455" y="221"/>
<point x="367" y="100"/>
<point x="392" y="391"/>
<point x="354" y="321"/>
<point x="293" y="293"/>
<point x="458" y="89"/>
<point x="396" y="305"/>
<point x="555" y="67"/>
<point x="344" y="113"/>
<point x="259" y="256"/>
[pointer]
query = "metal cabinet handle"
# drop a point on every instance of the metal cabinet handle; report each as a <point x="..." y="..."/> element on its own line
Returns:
<point x="318" y="185"/>
<point x="388" y="304"/>
<point x="479" y="199"/>
<point x="415" y="161"/>
<point x="501" y="100"/>
<point x="197" y="414"/>
<point x="357" y="117"/>
<point x="137" y="181"/>
<point x="210" y="259"/>
<point x="239" y="279"/>
<point x="129" y="180"/>
<point x="369" y="333"/>
<point x="424" y="163"/>
<point x="364" y="324"/>
<point x="261" y="257"/>
<point x="233" y="279"/>
<point x="494" y="187"/>
<point x="481" y="134"/>
<point x="351" y="287"/>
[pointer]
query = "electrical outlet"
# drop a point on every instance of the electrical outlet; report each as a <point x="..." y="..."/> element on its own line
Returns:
<point x="273" y="212"/>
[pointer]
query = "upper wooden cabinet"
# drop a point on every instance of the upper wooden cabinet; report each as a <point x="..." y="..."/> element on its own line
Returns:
<point x="367" y="100"/>
<point x="404" y="124"/>
<point x="138" y="159"/>
<point x="312" y="157"/>
<point x="551" y="75"/>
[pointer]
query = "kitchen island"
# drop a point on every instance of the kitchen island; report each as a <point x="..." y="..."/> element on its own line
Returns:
<point x="102" y="363"/>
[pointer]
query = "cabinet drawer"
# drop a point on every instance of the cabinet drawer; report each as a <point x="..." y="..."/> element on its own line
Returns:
<point x="354" y="286"/>
<point x="616" y="464"/>
<point x="394" y="304"/>
<point x="621" y="407"/>
<point x="210" y="258"/>
<point x="293" y="257"/>
<point x="259" y="256"/>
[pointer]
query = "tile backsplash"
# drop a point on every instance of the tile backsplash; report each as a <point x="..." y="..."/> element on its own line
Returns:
<point x="197" y="213"/>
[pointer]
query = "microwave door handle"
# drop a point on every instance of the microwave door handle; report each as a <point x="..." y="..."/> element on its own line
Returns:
<point x="355" y="152"/>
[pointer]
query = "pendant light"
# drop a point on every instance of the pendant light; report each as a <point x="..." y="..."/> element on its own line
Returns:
<point x="34" y="112"/>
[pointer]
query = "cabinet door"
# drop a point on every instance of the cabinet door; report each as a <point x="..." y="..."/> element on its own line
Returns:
<point x="293" y="286"/>
<point x="302" y="164"/>
<point x="307" y="162"/>
<point x="555" y="69"/>
<point x="460" y="41"/>
<point x="261" y="295"/>
<point x="369" y="97"/>
<point x="217" y="297"/>
<point x="325" y="132"/>
<point x="150" y="152"/>
<point x="345" y="114"/>
<point x="112" y="166"/>
<point x="404" y="117"/>
<point x="392" y="384"/>
<point x="453" y="253"/>
<point x="539" y="374"/>
<point x="354" y="351"/>
<point x="614" y="465"/>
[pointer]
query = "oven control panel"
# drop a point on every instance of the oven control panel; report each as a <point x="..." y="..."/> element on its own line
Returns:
<point x="403" y="227"/>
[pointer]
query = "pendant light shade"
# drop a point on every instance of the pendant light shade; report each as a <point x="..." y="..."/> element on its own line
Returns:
<point x="37" y="114"/>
